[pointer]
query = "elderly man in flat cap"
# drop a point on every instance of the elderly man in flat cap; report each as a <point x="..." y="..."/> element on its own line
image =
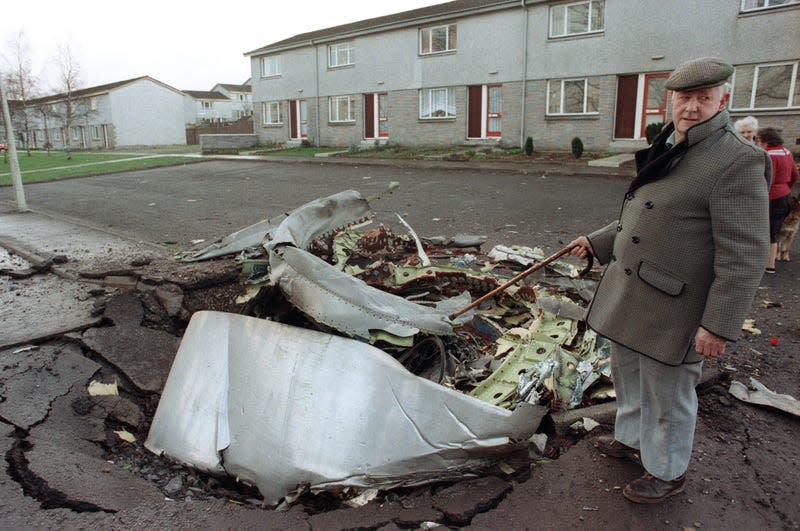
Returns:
<point x="682" y="264"/>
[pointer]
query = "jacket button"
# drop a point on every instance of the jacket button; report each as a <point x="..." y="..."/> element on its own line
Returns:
<point x="628" y="271"/>
<point x="635" y="239"/>
<point x="649" y="204"/>
<point x="619" y="228"/>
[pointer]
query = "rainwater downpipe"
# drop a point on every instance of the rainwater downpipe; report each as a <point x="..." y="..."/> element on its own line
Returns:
<point x="524" y="74"/>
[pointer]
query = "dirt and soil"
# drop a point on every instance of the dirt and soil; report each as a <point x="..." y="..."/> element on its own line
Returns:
<point x="742" y="476"/>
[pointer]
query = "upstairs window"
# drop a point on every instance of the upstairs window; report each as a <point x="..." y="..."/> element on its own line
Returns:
<point x="577" y="18"/>
<point x="341" y="109"/>
<point x="766" y="86"/>
<point x="341" y="54"/>
<point x="271" y="66"/>
<point x="755" y="5"/>
<point x="437" y="39"/>
<point x="572" y="96"/>
<point x="438" y="103"/>
<point x="207" y="105"/>
<point x="92" y="103"/>
<point x="95" y="132"/>
<point x="271" y="110"/>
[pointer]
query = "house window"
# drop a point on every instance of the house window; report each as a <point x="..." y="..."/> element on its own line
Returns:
<point x="207" y="105"/>
<point x="92" y="103"/>
<point x="767" y="86"/>
<point x="74" y="133"/>
<point x="95" y="132"/>
<point x="56" y="134"/>
<point x="271" y="66"/>
<point x="437" y="103"/>
<point x="437" y="39"/>
<point x="577" y="18"/>
<point x="341" y="54"/>
<point x="572" y="96"/>
<point x="272" y="112"/>
<point x="754" y="5"/>
<point x="39" y="135"/>
<point x="340" y="109"/>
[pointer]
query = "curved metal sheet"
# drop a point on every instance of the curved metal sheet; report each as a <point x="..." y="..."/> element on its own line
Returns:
<point x="294" y="407"/>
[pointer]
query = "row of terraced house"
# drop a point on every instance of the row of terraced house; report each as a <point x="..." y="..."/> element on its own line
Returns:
<point x="141" y="111"/>
<point x="490" y="72"/>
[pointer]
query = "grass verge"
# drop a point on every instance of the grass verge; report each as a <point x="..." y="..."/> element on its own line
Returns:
<point x="112" y="164"/>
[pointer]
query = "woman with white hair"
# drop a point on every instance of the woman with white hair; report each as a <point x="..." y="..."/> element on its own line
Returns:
<point x="747" y="127"/>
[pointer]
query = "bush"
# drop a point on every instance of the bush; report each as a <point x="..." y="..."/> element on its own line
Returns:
<point x="577" y="147"/>
<point x="306" y="143"/>
<point x="652" y="130"/>
<point x="529" y="146"/>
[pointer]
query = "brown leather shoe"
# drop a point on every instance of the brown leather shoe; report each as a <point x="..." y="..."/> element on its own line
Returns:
<point x="608" y="445"/>
<point x="650" y="489"/>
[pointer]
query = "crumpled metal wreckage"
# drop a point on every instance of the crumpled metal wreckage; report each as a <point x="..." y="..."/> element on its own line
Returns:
<point x="279" y="406"/>
<point x="379" y="387"/>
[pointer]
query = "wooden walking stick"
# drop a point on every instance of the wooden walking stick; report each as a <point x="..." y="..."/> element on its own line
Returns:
<point x="524" y="274"/>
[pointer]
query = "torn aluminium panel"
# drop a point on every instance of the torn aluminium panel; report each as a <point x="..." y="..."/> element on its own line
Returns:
<point x="760" y="394"/>
<point x="283" y="408"/>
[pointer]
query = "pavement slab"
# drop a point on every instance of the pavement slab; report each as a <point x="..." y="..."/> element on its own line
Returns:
<point x="42" y="307"/>
<point x="142" y="354"/>
<point x="31" y="379"/>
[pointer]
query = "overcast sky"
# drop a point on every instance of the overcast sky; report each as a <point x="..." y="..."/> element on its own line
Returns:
<point x="190" y="45"/>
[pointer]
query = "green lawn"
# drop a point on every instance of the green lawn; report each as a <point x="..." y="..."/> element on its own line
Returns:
<point x="41" y="167"/>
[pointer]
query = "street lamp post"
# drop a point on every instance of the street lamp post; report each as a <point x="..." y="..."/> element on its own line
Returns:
<point x="16" y="178"/>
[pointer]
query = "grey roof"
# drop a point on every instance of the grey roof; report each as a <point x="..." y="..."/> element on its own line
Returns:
<point x="91" y="91"/>
<point x="415" y="16"/>
<point x="206" y="94"/>
<point x="235" y="88"/>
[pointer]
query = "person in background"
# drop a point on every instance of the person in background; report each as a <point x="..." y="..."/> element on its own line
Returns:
<point x="747" y="127"/>
<point x="784" y="176"/>
<point x="683" y="262"/>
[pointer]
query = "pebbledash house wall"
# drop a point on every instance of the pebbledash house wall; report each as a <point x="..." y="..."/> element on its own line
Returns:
<point x="639" y="37"/>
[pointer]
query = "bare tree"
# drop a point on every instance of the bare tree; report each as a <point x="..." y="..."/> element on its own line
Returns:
<point x="21" y="84"/>
<point x="69" y="81"/>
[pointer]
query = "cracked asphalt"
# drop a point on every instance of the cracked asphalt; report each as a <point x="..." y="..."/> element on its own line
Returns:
<point x="90" y="318"/>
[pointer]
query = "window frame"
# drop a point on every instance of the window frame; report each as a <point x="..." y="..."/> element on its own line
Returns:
<point x="792" y="97"/>
<point x="95" y="132"/>
<point x="333" y="103"/>
<point x="767" y="6"/>
<point x="450" y="97"/>
<point x="586" y="87"/>
<point x="565" y="7"/>
<point x="448" y="48"/>
<point x="56" y="134"/>
<point x="350" y="50"/>
<point x="274" y="61"/>
<point x="266" y="111"/>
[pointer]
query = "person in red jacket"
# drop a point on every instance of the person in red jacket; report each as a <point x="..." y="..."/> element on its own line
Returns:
<point x="784" y="176"/>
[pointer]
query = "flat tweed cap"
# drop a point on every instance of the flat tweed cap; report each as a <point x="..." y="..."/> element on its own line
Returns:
<point x="699" y="73"/>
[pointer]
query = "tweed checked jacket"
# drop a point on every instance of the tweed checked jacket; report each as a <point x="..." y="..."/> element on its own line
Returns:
<point x="690" y="245"/>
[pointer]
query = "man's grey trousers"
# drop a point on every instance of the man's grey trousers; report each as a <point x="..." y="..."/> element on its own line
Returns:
<point x="656" y="410"/>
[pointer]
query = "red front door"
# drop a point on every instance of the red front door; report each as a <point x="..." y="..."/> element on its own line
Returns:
<point x="298" y="119"/>
<point x="485" y="113"/>
<point x="376" y="115"/>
